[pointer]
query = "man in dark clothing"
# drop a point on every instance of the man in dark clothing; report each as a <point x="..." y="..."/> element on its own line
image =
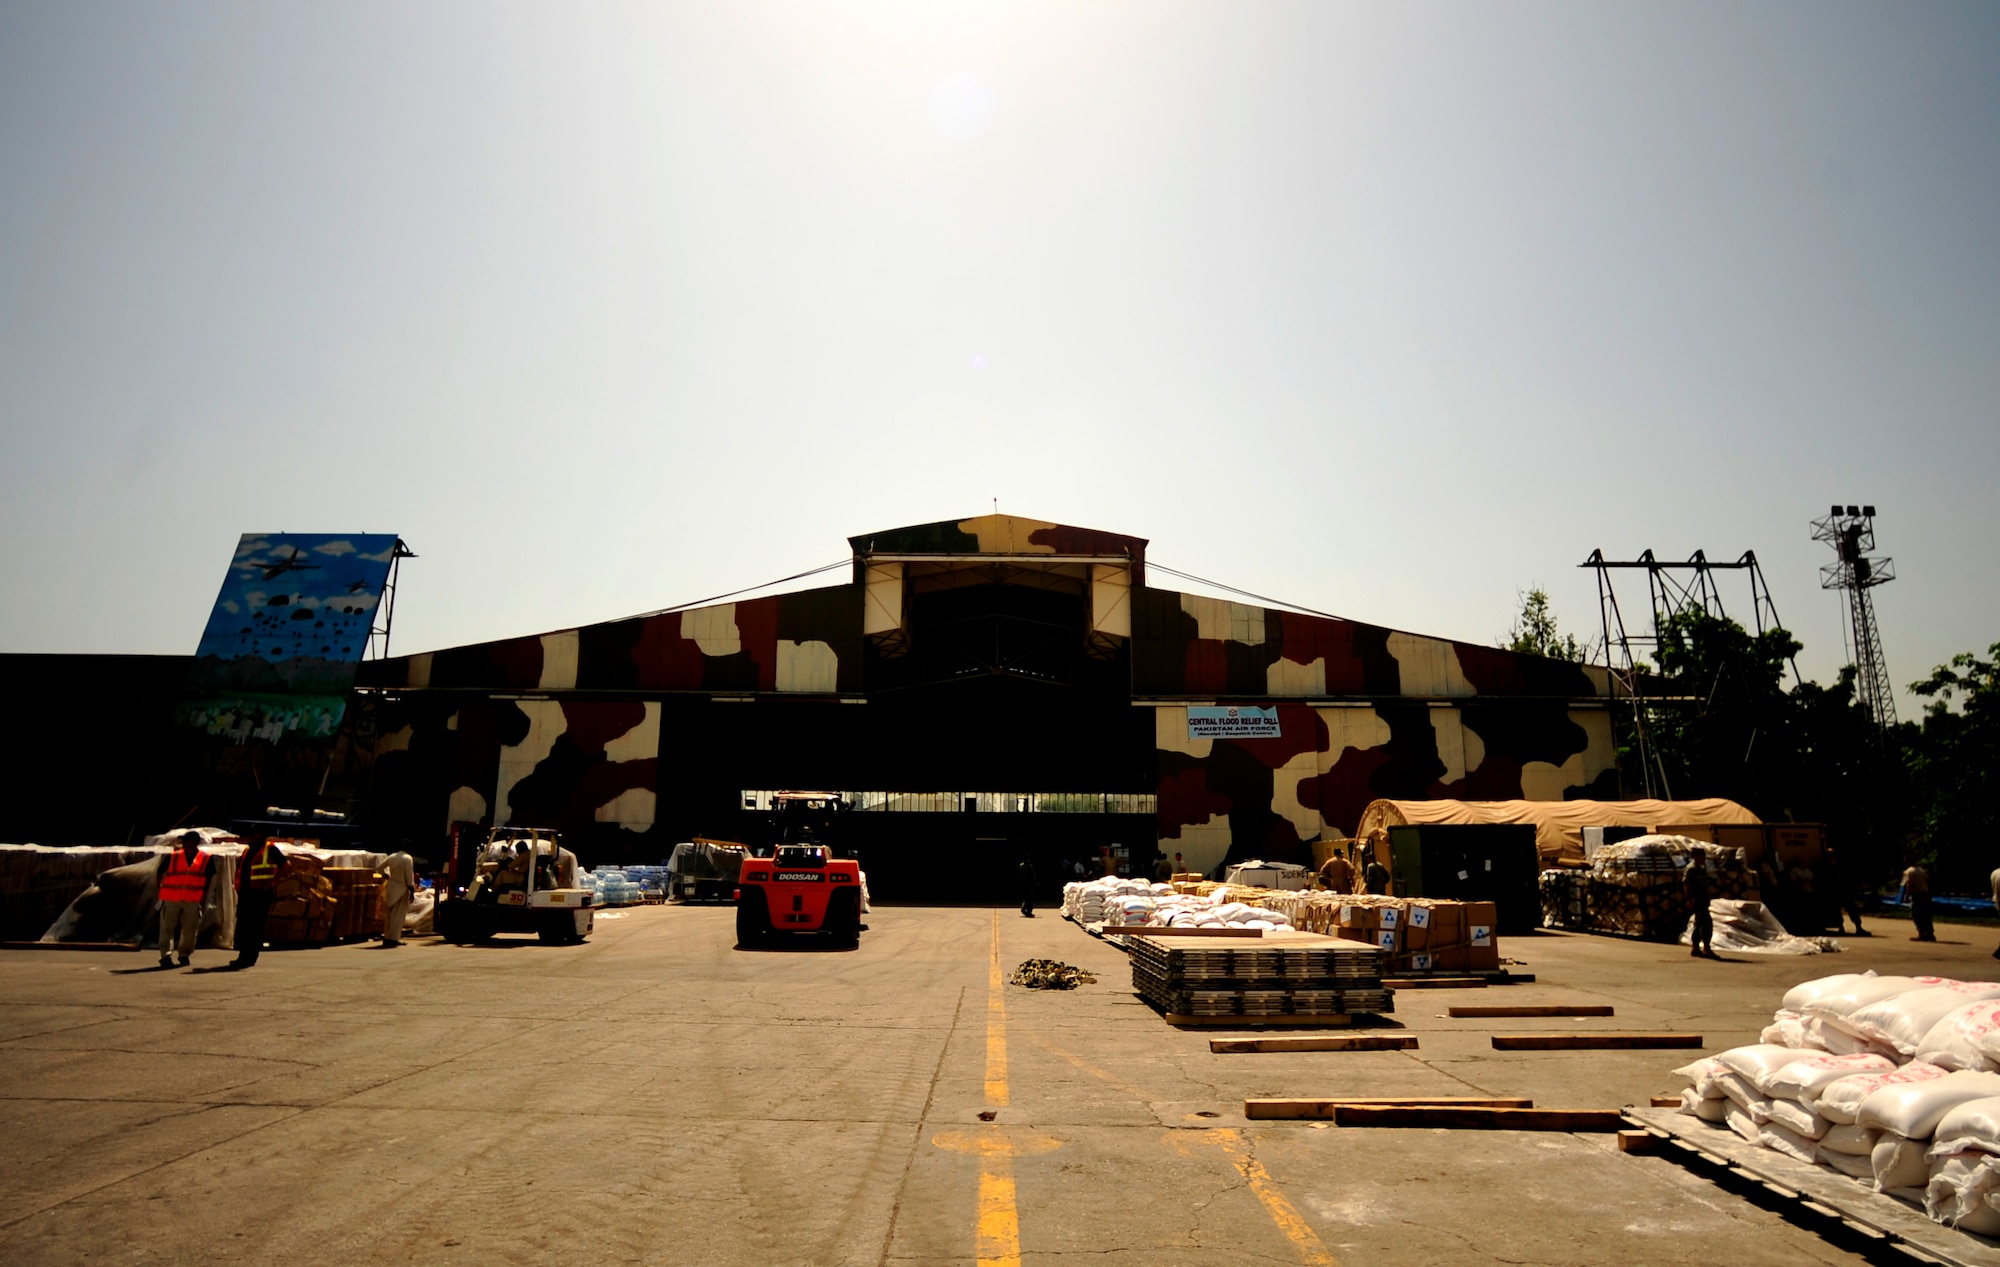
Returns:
<point x="1917" y="883"/>
<point x="1695" y="881"/>
<point x="1027" y="872"/>
<point x="256" y="873"/>
<point x="1374" y="876"/>
<point x="1840" y="894"/>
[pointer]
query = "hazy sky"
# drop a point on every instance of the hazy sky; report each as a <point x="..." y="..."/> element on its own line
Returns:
<point x="1389" y="309"/>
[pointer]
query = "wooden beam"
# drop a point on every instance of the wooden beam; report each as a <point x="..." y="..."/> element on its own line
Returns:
<point x="1466" y="1117"/>
<point x="1535" y="1009"/>
<point x="1434" y="983"/>
<point x="1592" y="1042"/>
<point x="70" y="945"/>
<point x="1329" y="1042"/>
<point x="1638" y="1142"/>
<point x="1292" y="1110"/>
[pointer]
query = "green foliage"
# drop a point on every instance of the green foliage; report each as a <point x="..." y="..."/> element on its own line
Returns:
<point x="1954" y="763"/>
<point x="1535" y="631"/>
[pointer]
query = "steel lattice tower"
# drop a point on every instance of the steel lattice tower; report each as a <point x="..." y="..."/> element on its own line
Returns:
<point x="1851" y="532"/>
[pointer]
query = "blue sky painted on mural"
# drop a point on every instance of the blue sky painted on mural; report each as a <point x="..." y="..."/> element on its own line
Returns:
<point x="299" y="596"/>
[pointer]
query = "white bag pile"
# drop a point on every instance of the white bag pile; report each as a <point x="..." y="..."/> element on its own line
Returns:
<point x="1894" y="1081"/>
<point x="1134" y="902"/>
<point x="1750" y="927"/>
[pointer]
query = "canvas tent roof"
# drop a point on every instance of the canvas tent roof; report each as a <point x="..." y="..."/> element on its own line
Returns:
<point x="1558" y="824"/>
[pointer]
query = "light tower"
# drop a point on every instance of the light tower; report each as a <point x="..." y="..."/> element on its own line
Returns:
<point x="1851" y="532"/>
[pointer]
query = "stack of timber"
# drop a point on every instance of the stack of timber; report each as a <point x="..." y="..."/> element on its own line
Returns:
<point x="357" y="896"/>
<point x="303" y="906"/>
<point x="1299" y="977"/>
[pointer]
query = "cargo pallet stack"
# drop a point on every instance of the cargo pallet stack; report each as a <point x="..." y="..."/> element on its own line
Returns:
<point x="1326" y="979"/>
<point x="302" y="911"/>
<point x="357" y="895"/>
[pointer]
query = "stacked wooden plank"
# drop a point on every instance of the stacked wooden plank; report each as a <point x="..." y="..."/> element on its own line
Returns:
<point x="1223" y="978"/>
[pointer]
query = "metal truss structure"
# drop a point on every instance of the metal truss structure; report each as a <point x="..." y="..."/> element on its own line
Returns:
<point x="378" y="633"/>
<point x="1672" y="589"/>
<point x="1850" y="531"/>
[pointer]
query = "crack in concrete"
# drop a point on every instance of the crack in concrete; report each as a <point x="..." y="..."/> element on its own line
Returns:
<point x="917" y="1137"/>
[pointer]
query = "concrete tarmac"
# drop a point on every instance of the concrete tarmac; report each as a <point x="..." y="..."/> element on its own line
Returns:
<point x="658" y="1096"/>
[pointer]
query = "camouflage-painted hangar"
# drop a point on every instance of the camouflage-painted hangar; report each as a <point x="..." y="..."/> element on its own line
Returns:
<point x="979" y="689"/>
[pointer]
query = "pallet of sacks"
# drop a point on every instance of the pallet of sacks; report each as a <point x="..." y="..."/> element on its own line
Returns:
<point x="303" y="904"/>
<point x="1635" y="888"/>
<point x="1892" y="1081"/>
<point x="1318" y="979"/>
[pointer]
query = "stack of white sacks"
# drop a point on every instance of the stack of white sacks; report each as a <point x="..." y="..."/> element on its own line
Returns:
<point x="1893" y="1080"/>
<point x="1134" y="902"/>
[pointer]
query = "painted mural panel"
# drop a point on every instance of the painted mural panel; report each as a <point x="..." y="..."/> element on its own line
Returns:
<point x="286" y="636"/>
<point x="1239" y="798"/>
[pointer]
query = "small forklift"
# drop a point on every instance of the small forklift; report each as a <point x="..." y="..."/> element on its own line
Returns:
<point x="523" y="883"/>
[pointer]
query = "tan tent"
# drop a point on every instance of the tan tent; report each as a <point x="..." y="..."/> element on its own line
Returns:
<point x="1558" y="824"/>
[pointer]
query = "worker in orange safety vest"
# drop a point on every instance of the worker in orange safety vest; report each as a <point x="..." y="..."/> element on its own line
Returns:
<point x="183" y="883"/>
<point x="256" y="874"/>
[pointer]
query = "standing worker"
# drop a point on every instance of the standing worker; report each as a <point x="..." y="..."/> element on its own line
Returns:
<point x="256" y="873"/>
<point x="1917" y="884"/>
<point x="1027" y="873"/>
<point x="1374" y="876"/>
<point x="1841" y="893"/>
<point x="1994" y="880"/>
<point x="1337" y="873"/>
<point x="399" y="883"/>
<point x="183" y="884"/>
<point x="1694" y="881"/>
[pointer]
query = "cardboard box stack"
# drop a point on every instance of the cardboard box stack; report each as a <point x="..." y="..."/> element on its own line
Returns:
<point x="357" y="895"/>
<point x="303" y="910"/>
<point x="1305" y="978"/>
<point x="1413" y="934"/>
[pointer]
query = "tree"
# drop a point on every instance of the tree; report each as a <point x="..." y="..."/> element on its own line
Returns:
<point x="1954" y="763"/>
<point x="1723" y="731"/>
<point x="1535" y="631"/>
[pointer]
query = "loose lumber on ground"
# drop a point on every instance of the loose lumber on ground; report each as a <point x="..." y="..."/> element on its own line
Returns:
<point x="1466" y="1117"/>
<point x="1637" y="1142"/>
<point x="1277" y="1110"/>
<point x="71" y="945"/>
<point x="1434" y="983"/>
<point x="1329" y="1042"/>
<point x="1535" y="1009"/>
<point x="1665" y="1101"/>
<point x="1592" y="1042"/>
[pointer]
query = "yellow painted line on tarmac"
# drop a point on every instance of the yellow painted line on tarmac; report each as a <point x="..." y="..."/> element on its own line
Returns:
<point x="1311" y="1249"/>
<point x="999" y="1215"/>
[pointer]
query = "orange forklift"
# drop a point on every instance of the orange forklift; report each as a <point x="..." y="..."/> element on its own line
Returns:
<point x="800" y="888"/>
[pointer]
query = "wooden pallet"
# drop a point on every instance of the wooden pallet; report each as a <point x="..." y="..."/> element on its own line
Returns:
<point x="1434" y="983"/>
<point x="1331" y="1020"/>
<point x="1330" y="1042"/>
<point x="1814" y="1192"/>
